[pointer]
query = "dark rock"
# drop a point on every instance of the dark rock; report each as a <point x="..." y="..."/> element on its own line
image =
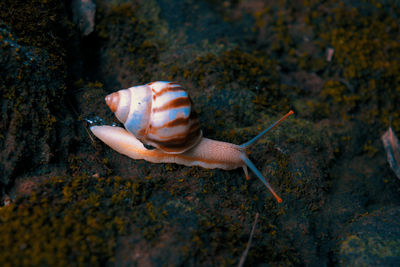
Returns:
<point x="31" y="97"/>
<point x="372" y="240"/>
<point x="83" y="15"/>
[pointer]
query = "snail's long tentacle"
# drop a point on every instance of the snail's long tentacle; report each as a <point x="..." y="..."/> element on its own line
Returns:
<point x="252" y="141"/>
<point x="259" y="175"/>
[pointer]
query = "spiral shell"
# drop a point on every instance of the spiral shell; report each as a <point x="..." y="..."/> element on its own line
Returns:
<point x="160" y="114"/>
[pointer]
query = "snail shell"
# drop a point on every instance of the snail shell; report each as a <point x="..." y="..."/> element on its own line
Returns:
<point x="160" y="114"/>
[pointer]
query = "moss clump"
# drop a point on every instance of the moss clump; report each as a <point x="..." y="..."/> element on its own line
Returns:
<point x="239" y="70"/>
<point x="34" y="42"/>
<point x="127" y="41"/>
<point x="71" y="219"/>
<point x="41" y="24"/>
<point x="340" y="98"/>
<point x="224" y="215"/>
<point x="31" y="95"/>
<point x="363" y="78"/>
<point x="371" y="239"/>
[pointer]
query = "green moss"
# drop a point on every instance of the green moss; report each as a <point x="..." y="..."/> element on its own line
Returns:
<point x="41" y="24"/>
<point x="363" y="78"/>
<point x="32" y="94"/>
<point x="238" y="70"/>
<point x="131" y="46"/>
<point x="34" y="42"/>
<point x="73" y="219"/>
<point x="371" y="240"/>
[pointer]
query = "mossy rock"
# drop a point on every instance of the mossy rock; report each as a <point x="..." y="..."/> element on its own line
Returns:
<point x="362" y="81"/>
<point x="67" y="220"/>
<point x="32" y="90"/>
<point x="372" y="240"/>
<point x="244" y="63"/>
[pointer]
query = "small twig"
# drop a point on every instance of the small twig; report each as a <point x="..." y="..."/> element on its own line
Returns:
<point x="244" y="255"/>
<point x="77" y="115"/>
<point x="91" y="138"/>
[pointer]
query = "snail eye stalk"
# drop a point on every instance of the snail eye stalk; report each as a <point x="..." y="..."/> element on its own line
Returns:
<point x="252" y="141"/>
<point x="250" y="164"/>
<point x="259" y="175"/>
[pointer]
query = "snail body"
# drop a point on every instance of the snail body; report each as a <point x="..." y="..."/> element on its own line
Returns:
<point x="161" y="114"/>
<point x="227" y="157"/>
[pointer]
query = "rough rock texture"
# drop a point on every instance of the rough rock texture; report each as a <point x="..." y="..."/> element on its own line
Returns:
<point x="83" y="15"/>
<point x="32" y="90"/>
<point x="245" y="63"/>
<point x="372" y="240"/>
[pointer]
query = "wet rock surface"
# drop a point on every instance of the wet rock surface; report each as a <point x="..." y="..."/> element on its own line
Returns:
<point x="32" y="122"/>
<point x="83" y="15"/>
<point x="69" y="198"/>
<point x="372" y="239"/>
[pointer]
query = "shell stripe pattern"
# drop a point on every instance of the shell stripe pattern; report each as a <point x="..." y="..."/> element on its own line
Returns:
<point x="173" y="125"/>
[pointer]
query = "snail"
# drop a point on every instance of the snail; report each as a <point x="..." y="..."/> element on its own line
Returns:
<point x="161" y="115"/>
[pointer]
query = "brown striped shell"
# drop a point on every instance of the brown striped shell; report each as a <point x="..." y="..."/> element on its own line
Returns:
<point x="160" y="114"/>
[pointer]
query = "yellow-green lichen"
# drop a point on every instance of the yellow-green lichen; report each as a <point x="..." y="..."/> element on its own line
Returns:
<point x="363" y="77"/>
<point x="237" y="69"/>
<point x="71" y="219"/>
<point x="131" y="47"/>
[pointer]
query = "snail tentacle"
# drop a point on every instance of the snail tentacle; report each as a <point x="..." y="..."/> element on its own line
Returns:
<point x="253" y="140"/>
<point x="260" y="176"/>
